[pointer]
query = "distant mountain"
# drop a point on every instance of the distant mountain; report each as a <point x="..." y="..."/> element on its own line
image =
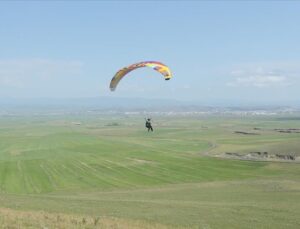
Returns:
<point x="96" y="102"/>
<point x="115" y="103"/>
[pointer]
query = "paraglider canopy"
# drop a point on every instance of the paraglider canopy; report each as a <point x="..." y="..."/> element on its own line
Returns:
<point x="158" y="66"/>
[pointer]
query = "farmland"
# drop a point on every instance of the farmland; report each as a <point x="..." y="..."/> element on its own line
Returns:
<point x="107" y="171"/>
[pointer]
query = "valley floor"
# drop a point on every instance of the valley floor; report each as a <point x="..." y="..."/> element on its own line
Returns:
<point x="55" y="174"/>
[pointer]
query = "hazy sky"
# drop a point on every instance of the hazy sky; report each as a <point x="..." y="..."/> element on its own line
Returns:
<point x="218" y="51"/>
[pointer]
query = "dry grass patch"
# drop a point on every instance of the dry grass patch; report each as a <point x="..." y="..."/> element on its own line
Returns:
<point x="15" y="219"/>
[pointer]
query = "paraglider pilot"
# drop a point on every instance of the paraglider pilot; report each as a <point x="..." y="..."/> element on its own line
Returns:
<point x="148" y="124"/>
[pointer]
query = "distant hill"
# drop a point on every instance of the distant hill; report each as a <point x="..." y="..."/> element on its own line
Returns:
<point x="127" y="104"/>
<point x="95" y="102"/>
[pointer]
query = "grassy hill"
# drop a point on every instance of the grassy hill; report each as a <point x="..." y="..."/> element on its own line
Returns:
<point x="86" y="166"/>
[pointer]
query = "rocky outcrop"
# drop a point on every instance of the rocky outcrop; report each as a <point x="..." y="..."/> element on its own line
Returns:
<point x="258" y="155"/>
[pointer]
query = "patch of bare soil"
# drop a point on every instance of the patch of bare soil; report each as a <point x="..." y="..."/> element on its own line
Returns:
<point x="15" y="152"/>
<point x="245" y="133"/>
<point x="288" y="131"/>
<point x="140" y="161"/>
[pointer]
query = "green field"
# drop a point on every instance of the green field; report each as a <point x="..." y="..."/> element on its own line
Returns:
<point x="110" y="172"/>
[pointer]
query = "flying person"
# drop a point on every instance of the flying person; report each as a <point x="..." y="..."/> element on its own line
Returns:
<point x="149" y="125"/>
<point x="155" y="65"/>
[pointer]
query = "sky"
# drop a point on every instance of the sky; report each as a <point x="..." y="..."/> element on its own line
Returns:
<point x="218" y="51"/>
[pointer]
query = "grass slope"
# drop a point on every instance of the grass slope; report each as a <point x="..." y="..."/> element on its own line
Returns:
<point x="111" y="167"/>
